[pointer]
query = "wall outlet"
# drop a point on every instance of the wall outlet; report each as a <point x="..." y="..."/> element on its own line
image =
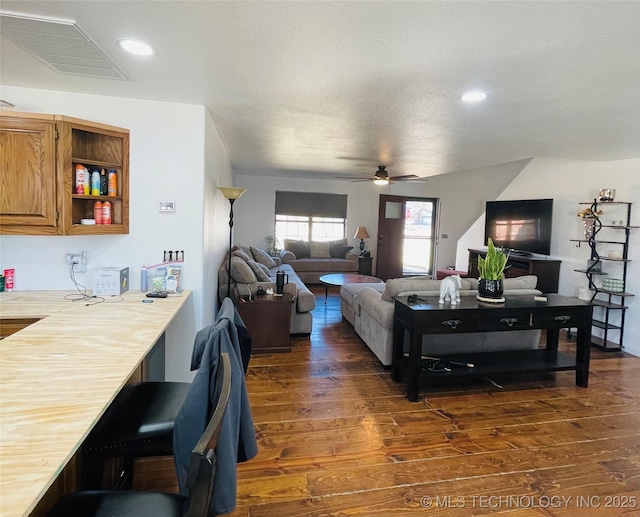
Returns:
<point x="78" y="261"/>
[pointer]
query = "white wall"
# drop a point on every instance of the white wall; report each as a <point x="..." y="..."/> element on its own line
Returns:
<point x="570" y="182"/>
<point x="462" y="198"/>
<point x="167" y="162"/>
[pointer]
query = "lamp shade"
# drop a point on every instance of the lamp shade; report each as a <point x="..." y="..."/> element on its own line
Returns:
<point x="362" y="233"/>
<point x="232" y="193"/>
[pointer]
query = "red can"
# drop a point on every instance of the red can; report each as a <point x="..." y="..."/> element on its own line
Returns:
<point x="106" y="212"/>
<point x="97" y="212"/>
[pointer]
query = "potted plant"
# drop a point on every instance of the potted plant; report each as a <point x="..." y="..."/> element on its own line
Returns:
<point x="491" y="271"/>
<point x="272" y="244"/>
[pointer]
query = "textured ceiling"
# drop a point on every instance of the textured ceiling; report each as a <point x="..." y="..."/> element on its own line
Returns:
<point x="338" y="87"/>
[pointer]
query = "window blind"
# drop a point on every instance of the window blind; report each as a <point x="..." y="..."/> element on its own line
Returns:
<point x="311" y="204"/>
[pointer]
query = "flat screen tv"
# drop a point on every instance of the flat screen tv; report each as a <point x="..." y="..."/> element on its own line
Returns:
<point x="522" y="226"/>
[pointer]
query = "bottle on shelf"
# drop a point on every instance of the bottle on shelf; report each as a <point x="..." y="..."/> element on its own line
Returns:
<point x="95" y="183"/>
<point x="112" y="189"/>
<point x="106" y="212"/>
<point x="103" y="182"/>
<point x="97" y="212"/>
<point x="87" y="181"/>
<point x="79" y="179"/>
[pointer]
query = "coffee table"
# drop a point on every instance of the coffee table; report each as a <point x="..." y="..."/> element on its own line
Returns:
<point x="338" y="279"/>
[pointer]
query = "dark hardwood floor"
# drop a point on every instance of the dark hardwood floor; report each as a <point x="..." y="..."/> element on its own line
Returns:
<point x="337" y="437"/>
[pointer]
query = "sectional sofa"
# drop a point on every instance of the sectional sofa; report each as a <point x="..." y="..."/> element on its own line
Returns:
<point x="252" y="268"/>
<point x="370" y="307"/>
<point x="305" y="262"/>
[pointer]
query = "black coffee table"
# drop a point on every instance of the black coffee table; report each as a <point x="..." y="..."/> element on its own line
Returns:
<point x="518" y="312"/>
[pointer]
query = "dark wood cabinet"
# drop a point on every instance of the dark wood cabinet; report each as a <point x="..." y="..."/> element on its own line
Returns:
<point x="268" y="320"/>
<point x="547" y="270"/>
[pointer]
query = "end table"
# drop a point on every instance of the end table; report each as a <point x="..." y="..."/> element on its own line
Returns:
<point x="268" y="320"/>
<point x="365" y="265"/>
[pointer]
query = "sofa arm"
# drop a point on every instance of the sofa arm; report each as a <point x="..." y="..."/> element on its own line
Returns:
<point x="277" y="260"/>
<point x="352" y="256"/>
<point x="287" y="256"/>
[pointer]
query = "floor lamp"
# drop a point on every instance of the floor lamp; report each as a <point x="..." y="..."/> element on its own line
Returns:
<point x="232" y="194"/>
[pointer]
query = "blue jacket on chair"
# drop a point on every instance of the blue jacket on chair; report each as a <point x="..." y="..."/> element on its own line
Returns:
<point x="237" y="441"/>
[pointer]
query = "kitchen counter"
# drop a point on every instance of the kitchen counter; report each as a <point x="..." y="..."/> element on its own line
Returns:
<point x="59" y="374"/>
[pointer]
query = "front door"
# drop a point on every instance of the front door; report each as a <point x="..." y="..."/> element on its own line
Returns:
<point x="406" y="236"/>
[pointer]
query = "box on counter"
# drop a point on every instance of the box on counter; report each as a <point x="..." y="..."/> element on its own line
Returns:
<point x="110" y="281"/>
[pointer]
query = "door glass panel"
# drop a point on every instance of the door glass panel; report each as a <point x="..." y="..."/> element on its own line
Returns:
<point x="393" y="210"/>
<point x="418" y="238"/>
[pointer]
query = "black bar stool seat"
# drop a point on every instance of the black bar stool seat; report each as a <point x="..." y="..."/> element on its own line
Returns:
<point x="138" y="423"/>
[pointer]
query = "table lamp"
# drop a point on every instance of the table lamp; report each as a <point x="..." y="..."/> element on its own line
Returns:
<point x="362" y="233"/>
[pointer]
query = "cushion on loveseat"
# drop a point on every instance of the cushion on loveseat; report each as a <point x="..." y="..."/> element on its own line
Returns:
<point x="319" y="249"/>
<point x="299" y="248"/>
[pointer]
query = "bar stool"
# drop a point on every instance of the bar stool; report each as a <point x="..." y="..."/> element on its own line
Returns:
<point x="200" y="484"/>
<point x="139" y="423"/>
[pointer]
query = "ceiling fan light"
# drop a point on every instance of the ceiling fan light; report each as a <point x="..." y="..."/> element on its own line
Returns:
<point x="381" y="181"/>
<point x="474" y="96"/>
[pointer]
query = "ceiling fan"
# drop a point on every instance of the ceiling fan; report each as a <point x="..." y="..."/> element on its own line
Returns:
<point x="381" y="177"/>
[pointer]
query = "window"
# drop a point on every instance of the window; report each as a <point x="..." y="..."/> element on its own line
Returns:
<point x="310" y="216"/>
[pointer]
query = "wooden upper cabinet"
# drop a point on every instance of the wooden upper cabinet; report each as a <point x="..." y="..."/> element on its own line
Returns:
<point x="28" y="175"/>
<point x="39" y="158"/>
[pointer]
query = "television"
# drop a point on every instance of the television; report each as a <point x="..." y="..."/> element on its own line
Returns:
<point x="522" y="227"/>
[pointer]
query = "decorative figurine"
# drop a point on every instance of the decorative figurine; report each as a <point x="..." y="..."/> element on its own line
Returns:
<point x="450" y="288"/>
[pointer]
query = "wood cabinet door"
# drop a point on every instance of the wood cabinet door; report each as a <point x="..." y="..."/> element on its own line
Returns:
<point x="27" y="176"/>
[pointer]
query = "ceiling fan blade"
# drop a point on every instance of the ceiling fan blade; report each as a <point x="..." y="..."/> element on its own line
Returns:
<point x="406" y="177"/>
<point x="356" y="178"/>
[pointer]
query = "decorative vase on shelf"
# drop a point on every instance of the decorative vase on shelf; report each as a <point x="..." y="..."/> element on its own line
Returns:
<point x="589" y="227"/>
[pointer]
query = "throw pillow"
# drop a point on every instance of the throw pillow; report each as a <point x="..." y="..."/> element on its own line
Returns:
<point x="258" y="271"/>
<point x="262" y="257"/>
<point x="341" y="252"/>
<point x="241" y="254"/>
<point x="339" y="248"/>
<point x="241" y="272"/>
<point x="319" y="249"/>
<point x="299" y="248"/>
<point x="265" y="269"/>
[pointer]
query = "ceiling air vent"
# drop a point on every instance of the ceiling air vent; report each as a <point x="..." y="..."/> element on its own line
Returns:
<point x="61" y="44"/>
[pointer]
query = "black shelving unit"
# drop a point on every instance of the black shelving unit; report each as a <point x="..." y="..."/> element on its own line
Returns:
<point x="607" y="302"/>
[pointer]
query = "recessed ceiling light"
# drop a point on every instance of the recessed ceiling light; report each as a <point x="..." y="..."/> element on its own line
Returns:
<point x="135" y="47"/>
<point x="475" y="96"/>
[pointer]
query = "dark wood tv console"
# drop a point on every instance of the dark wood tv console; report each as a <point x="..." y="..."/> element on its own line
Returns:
<point x="547" y="270"/>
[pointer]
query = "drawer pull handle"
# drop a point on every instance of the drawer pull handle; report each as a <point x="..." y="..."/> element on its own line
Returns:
<point x="452" y="323"/>
<point x="509" y="321"/>
<point x="562" y="319"/>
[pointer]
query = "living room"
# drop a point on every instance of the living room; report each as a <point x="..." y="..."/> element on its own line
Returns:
<point x="184" y="146"/>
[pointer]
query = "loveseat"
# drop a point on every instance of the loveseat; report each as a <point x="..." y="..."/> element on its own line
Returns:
<point x="252" y="268"/>
<point x="370" y="307"/>
<point x="310" y="260"/>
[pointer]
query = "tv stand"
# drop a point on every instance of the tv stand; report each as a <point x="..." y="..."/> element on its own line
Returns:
<point x="520" y="253"/>
<point x="547" y="270"/>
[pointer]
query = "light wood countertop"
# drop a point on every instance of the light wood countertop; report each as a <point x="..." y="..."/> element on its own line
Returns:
<point x="58" y="375"/>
